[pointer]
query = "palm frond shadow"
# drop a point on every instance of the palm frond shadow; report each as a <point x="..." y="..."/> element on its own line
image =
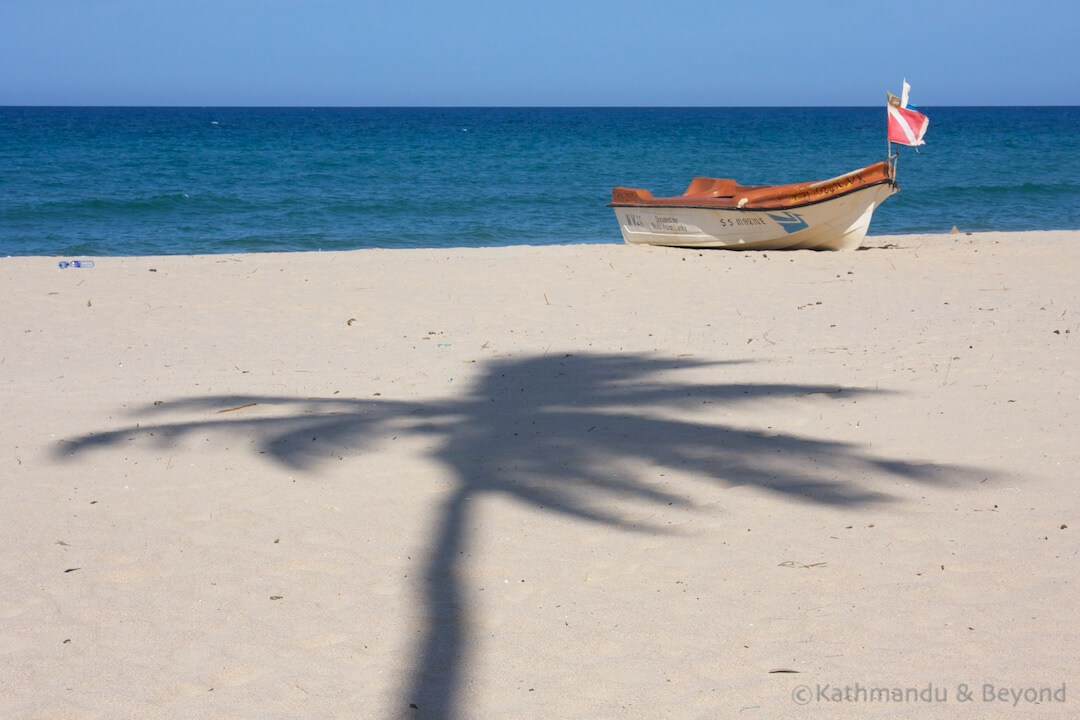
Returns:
<point x="568" y="435"/>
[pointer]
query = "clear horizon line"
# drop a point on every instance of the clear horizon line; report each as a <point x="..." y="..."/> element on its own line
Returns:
<point x="500" y="107"/>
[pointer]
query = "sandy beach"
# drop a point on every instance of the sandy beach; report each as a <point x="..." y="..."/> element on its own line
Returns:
<point x="595" y="481"/>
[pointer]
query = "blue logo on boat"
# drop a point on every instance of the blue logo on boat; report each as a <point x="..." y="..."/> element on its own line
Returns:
<point x="791" y="222"/>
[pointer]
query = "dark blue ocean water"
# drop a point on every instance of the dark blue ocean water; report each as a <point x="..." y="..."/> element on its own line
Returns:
<point x="138" y="181"/>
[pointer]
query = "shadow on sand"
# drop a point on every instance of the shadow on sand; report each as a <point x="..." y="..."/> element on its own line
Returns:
<point x="564" y="435"/>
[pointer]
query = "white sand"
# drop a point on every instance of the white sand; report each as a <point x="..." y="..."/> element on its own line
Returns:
<point x="561" y="482"/>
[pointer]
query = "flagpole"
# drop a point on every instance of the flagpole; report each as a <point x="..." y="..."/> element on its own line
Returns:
<point x="889" y="156"/>
<point x="888" y="142"/>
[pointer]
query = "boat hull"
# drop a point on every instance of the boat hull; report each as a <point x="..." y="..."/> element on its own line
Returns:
<point x="830" y="215"/>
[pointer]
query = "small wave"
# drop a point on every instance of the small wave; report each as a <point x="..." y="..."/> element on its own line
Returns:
<point x="119" y="208"/>
<point x="155" y="203"/>
<point x="1025" y="188"/>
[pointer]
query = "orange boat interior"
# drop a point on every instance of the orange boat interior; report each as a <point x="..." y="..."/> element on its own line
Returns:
<point x="726" y="193"/>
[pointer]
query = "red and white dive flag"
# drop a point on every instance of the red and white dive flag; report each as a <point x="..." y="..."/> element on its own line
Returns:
<point x="906" y="126"/>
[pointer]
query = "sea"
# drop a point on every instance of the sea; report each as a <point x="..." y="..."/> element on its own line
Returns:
<point x="78" y="181"/>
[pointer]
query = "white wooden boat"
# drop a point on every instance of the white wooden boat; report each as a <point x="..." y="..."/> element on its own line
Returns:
<point x="831" y="214"/>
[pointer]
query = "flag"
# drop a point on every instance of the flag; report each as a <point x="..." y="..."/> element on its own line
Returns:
<point x="906" y="126"/>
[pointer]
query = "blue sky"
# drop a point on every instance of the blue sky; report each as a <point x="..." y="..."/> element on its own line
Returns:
<point x="554" y="52"/>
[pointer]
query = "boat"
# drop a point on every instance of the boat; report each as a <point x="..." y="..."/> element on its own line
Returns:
<point x="829" y="214"/>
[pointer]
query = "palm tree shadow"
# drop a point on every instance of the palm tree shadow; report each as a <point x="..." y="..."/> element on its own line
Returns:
<point x="565" y="435"/>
